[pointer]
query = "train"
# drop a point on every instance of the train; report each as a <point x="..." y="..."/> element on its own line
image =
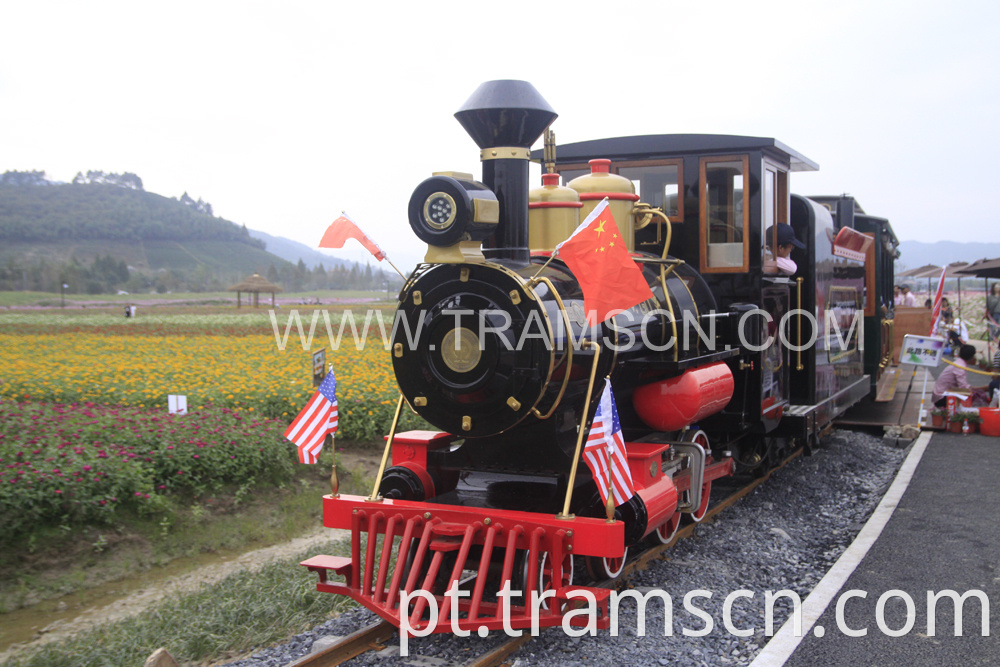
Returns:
<point x="484" y="521"/>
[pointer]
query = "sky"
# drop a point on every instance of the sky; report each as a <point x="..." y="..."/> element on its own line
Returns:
<point x="282" y="115"/>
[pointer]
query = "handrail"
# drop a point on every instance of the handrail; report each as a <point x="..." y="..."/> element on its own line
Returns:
<point x="580" y="434"/>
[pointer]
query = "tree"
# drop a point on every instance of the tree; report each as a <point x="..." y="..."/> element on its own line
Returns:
<point x="23" y="178"/>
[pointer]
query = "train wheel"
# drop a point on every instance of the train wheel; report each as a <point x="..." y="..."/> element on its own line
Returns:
<point x="601" y="569"/>
<point x="706" y="487"/>
<point x="665" y="533"/>
<point x="545" y="575"/>
<point x="699" y="514"/>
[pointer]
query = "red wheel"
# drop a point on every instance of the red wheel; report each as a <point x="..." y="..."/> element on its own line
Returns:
<point x="545" y="575"/>
<point x="600" y="568"/>
<point x="664" y="533"/>
<point x="700" y="438"/>
<point x="699" y="514"/>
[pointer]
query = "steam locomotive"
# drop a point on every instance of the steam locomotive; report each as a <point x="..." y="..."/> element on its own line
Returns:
<point x="725" y="370"/>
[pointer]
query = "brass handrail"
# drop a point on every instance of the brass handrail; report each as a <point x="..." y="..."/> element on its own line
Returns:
<point x="385" y="454"/>
<point x="581" y="433"/>
<point x="799" y="365"/>
<point x="569" y="352"/>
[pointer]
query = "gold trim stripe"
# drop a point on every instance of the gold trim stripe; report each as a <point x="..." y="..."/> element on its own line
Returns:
<point x="505" y="153"/>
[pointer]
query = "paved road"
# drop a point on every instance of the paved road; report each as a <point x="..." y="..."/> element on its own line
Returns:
<point x="945" y="534"/>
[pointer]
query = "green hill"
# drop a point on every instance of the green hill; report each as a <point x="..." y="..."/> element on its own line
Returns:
<point x="103" y="232"/>
<point x="65" y="231"/>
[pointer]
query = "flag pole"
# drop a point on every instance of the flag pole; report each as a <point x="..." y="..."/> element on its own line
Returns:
<point x="534" y="279"/>
<point x="610" y="505"/>
<point x="579" y="436"/>
<point x="397" y="269"/>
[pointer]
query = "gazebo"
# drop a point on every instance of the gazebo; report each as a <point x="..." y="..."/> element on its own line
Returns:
<point x="254" y="285"/>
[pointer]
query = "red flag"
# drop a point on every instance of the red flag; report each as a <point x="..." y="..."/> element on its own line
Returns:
<point x="936" y="313"/>
<point x="608" y="276"/>
<point x="344" y="228"/>
<point x="605" y="446"/>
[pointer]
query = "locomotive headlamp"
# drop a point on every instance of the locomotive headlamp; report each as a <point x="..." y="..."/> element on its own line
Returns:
<point x="440" y="210"/>
<point x="445" y="210"/>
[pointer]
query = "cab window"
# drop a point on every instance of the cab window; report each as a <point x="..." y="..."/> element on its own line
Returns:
<point x="658" y="184"/>
<point x="725" y="214"/>
<point x="775" y="198"/>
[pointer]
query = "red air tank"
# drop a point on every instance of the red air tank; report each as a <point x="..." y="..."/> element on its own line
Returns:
<point x="677" y="402"/>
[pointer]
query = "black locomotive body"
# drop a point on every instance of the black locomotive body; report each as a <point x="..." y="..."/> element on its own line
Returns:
<point x="730" y="365"/>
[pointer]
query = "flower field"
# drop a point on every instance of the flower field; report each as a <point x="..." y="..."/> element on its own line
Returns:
<point x="84" y="462"/>
<point x="217" y="361"/>
<point x="84" y="428"/>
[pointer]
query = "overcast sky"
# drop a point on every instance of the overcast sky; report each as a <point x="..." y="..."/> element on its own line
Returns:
<point x="281" y="115"/>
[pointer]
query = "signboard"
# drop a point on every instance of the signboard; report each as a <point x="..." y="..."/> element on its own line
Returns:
<point x="319" y="367"/>
<point x="177" y="404"/>
<point x="921" y="350"/>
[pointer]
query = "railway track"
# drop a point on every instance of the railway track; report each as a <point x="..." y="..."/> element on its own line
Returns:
<point x="371" y="637"/>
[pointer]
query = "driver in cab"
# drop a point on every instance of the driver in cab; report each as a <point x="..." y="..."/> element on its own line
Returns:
<point x="779" y="261"/>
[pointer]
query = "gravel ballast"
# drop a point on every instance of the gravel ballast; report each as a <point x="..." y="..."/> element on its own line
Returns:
<point x="783" y="536"/>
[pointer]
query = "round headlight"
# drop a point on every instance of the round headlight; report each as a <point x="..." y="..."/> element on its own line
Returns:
<point x="445" y="210"/>
<point x="440" y="210"/>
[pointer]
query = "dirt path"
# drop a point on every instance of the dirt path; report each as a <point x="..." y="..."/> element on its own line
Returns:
<point x="140" y="600"/>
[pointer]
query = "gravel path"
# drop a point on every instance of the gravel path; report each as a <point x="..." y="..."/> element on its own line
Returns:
<point x="785" y="535"/>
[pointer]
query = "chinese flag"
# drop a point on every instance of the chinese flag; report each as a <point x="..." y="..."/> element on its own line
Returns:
<point x="343" y="228"/>
<point x="608" y="275"/>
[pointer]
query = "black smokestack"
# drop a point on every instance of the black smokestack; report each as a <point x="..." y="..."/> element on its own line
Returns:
<point x="507" y="114"/>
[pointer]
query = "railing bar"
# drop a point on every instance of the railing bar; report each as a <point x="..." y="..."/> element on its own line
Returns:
<point x="383" y="564"/>
<point x="456" y="571"/>
<point x="404" y="550"/>
<point x="432" y="573"/>
<point x="356" y="549"/>
<point x="370" y="551"/>
<point x="484" y="563"/>
<point x="508" y="560"/>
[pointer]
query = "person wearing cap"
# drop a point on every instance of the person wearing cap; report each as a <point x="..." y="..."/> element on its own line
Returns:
<point x="780" y="261"/>
<point x="909" y="298"/>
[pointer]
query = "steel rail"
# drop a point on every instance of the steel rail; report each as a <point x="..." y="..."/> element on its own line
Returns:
<point x="366" y="639"/>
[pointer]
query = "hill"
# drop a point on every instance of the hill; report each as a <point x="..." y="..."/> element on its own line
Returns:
<point x="104" y="232"/>
<point x="293" y="251"/>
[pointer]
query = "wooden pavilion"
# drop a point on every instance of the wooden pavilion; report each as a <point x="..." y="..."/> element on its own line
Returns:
<point x="254" y="285"/>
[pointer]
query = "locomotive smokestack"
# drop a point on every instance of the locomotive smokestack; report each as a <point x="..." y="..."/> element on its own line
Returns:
<point x="505" y="118"/>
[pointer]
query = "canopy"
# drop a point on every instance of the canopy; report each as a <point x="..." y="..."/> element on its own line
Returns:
<point x="983" y="268"/>
<point x="255" y="284"/>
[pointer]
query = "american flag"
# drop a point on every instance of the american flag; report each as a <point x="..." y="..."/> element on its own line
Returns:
<point x="605" y="442"/>
<point x="318" y="418"/>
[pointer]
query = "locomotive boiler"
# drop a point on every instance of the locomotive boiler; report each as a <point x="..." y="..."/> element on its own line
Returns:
<point x="493" y="348"/>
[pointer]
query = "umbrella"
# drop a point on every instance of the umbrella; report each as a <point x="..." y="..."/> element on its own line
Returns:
<point x="982" y="268"/>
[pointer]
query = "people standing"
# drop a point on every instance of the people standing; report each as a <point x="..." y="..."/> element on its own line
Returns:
<point x="909" y="298"/>
<point x="993" y="310"/>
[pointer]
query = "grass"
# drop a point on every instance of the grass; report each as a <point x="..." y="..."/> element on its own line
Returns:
<point x="56" y="560"/>
<point x="243" y="611"/>
<point x="221" y="620"/>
